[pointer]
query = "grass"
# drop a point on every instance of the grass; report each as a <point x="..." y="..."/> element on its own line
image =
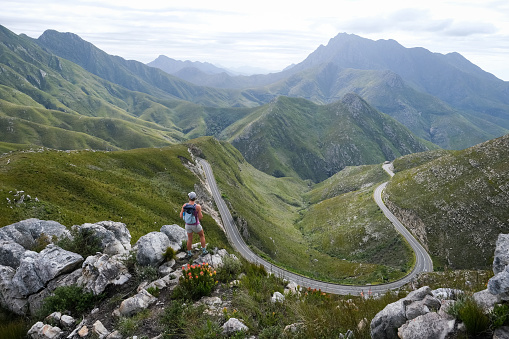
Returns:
<point x="143" y="188"/>
<point x="269" y="212"/>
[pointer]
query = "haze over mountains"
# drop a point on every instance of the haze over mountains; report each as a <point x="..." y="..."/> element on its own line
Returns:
<point x="441" y="99"/>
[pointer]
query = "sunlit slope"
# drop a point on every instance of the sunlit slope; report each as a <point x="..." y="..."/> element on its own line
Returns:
<point x="456" y="204"/>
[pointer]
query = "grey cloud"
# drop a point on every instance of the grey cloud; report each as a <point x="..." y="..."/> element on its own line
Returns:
<point x="470" y="28"/>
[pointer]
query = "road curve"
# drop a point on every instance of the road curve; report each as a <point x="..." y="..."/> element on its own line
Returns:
<point x="423" y="261"/>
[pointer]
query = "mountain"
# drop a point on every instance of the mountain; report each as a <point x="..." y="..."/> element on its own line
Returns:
<point x="295" y="137"/>
<point x="172" y="66"/>
<point x="135" y="75"/>
<point x="455" y="201"/>
<point x="48" y="101"/>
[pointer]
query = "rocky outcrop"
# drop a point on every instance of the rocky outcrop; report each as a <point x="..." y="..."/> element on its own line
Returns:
<point x="44" y="331"/>
<point x="11" y="253"/>
<point x="175" y="234"/>
<point x="135" y="304"/>
<point x="499" y="284"/>
<point x="26" y="232"/>
<point x="100" y="271"/>
<point x="414" y="308"/>
<point x="150" y="248"/>
<point x="234" y="325"/>
<point x="115" y="237"/>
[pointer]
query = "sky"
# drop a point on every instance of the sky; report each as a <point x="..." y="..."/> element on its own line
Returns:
<point x="268" y="34"/>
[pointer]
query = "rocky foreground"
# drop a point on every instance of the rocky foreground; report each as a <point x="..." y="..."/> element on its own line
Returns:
<point x="28" y="277"/>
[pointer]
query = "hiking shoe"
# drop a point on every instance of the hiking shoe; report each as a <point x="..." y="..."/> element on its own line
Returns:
<point x="189" y="254"/>
<point x="204" y="251"/>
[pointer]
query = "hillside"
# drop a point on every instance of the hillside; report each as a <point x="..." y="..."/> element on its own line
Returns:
<point x="295" y="137"/>
<point x="455" y="201"/>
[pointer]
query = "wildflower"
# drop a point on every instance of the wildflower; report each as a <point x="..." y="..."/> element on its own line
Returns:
<point x="196" y="277"/>
<point x="201" y="273"/>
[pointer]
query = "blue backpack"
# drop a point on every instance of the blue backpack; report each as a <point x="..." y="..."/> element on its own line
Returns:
<point x="190" y="214"/>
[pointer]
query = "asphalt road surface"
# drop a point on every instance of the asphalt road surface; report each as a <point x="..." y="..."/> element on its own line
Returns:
<point x="423" y="260"/>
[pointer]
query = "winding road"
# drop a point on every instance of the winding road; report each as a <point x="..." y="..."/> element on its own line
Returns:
<point x="423" y="260"/>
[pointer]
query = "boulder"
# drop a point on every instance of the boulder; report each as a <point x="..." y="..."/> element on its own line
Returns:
<point x="385" y="324"/>
<point x="26" y="232"/>
<point x="277" y="297"/>
<point x="100" y="271"/>
<point x="42" y="331"/>
<point x="166" y="268"/>
<point x="10" y="298"/>
<point x="36" y="269"/>
<point x="501" y="259"/>
<point x="175" y="234"/>
<point x="427" y="326"/>
<point x="499" y="284"/>
<point x="135" y="304"/>
<point x="11" y="253"/>
<point x="234" y="325"/>
<point x="416" y="309"/>
<point x="115" y="237"/>
<point x="486" y="300"/>
<point x="151" y="247"/>
<point x="501" y="333"/>
<point x="99" y="330"/>
<point x="215" y="260"/>
<point x="447" y="293"/>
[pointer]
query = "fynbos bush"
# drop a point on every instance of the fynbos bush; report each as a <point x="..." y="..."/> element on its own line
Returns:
<point x="197" y="281"/>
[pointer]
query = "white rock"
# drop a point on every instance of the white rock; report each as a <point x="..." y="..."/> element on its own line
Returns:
<point x="99" y="329"/>
<point x="234" y="325"/>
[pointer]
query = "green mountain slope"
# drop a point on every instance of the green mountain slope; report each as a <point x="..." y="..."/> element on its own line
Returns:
<point x="137" y="76"/>
<point x="457" y="202"/>
<point x="295" y="137"/>
<point x="44" y="95"/>
<point x="425" y="115"/>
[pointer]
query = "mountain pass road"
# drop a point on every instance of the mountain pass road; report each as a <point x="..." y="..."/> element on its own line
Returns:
<point x="423" y="261"/>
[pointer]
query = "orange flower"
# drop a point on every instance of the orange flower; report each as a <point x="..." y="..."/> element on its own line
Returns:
<point x="201" y="273"/>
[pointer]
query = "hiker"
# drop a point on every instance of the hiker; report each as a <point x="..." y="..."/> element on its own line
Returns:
<point x="191" y="213"/>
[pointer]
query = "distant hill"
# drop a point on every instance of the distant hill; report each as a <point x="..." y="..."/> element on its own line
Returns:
<point x="172" y="66"/>
<point x="135" y="75"/>
<point x="295" y="137"/>
<point x="456" y="203"/>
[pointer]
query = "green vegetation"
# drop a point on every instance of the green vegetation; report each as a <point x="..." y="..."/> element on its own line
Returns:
<point x="196" y="281"/>
<point x="82" y="241"/>
<point x="269" y="213"/>
<point x="456" y="201"/>
<point x="13" y="327"/>
<point x="143" y="188"/>
<point x="72" y="299"/>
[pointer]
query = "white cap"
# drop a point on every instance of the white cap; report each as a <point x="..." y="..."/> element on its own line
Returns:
<point x="192" y="195"/>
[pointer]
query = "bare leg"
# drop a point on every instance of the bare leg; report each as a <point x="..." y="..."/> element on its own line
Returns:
<point x="202" y="239"/>
<point x="190" y="240"/>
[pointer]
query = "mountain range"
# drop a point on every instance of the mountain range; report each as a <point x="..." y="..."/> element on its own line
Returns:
<point x="70" y="94"/>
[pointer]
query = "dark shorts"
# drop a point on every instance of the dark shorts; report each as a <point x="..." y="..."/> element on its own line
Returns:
<point x="194" y="228"/>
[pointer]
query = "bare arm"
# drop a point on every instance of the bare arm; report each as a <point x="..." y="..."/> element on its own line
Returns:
<point x="198" y="209"/>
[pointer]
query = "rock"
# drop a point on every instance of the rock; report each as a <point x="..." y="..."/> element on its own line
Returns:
<point x="67" y="321"/>
<point x="10" y="298"/>
<point x="115" y="237"/>
<point x="166" y="268"/>
<point x="442" y="312"/>
<point x="277" y="297"/>
<point x="501" y="333"/>
<point x="114" y="335"/>
<point x="101" y="270"/>
<point x="137" y="303"/>
<point x="385" y="324"/>
<point x="36" y="269"/>
<point x="11" y="253"/>
<point x="42" y="331"/>
<point x="293" y="328"/>
<point x="215" y="260"/>
<point x="292" y="287"/>
<point x="35" y="300"/>
<point x="416" y="309"/>
<point x="26" y="232"/>
<point x="486" y="300"/>
<point x="99" y="330"/>
<point x="499" y="284"/>
<point x="419" y="294"/>
<point x="53" y="318"/>
<point x="347" y="335"/>
<point x="447" y="293"/>
<point x="234" y="325"/>
<point x="175" y="233"/>
<point x="427" y="326"/>
<point x="83" y="332"/>
<point x="362" y="324"/>
<point x="501" y="259"/>
<point x="54" y="261"/>
<point x="211" y="301"/>
<point x="151" y="247"/>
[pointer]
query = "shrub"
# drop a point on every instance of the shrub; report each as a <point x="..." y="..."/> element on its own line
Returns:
<point x="169" y="254"/>
<point x="145" y="273"/>
<point x="471" y="314"/>
<point x="230" y="269"/>
<point x="197" y="281"/>
<point x="83" y="242"/>
<point x="500" y="315"/>
<point x="154" y="291"/>
<point x="41" y="242"/>
<point x="69" y="298"/>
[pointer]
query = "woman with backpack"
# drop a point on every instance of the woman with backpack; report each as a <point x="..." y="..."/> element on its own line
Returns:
<point x="191" y="213"/>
